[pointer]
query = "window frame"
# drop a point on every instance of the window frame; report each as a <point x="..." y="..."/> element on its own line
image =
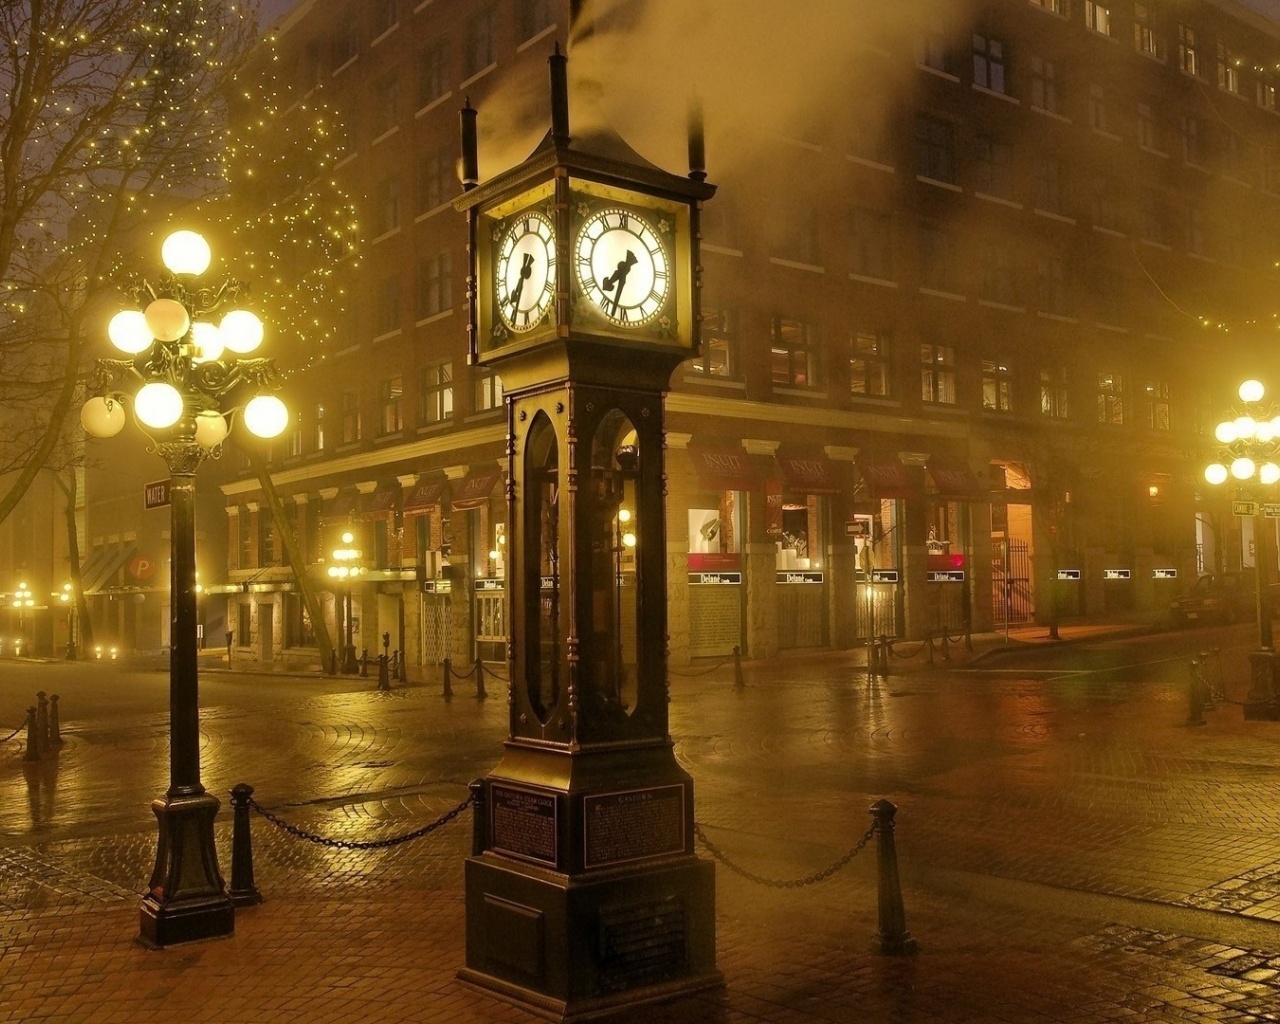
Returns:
<point x="937" y="374"/>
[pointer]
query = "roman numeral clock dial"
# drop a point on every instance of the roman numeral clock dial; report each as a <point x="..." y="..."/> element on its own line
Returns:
<point x="623" y="265"/>
<point x="525" y="272"/>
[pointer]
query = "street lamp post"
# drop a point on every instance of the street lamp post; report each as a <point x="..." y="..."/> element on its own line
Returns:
<point x="1250" y="447"/>
<point x="346" y="568"/>
<point x="184" y="382"/>
<point x="22" y="600"/>
<point x="67" y="598"/>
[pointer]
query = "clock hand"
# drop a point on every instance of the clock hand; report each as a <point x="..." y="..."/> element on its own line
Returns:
<point x="526" y="271"/>
<point x="619" y="278"/>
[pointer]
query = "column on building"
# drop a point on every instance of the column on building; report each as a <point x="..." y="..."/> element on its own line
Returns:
<point x="478" y="564"/>
<point x="424" y="543"/>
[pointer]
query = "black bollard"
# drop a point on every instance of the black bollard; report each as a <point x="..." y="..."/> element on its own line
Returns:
<point x="364" y="662"/>
<point x="384" y="676"/>
<point x="243" y="892"/>
<point x="42" y="720"/>
<point x="480" y="691"/>
<point x="928" y="645"/>
<point x="402" y="670"/>
<point x="739" y="683"/>
<point x="479" y="818"/>
<point x="55" y="729"/>
<point x="946" y="653"/>
<point x="33" y="737"/>
<point x="447" y="665"/>
<point x="1195" y="698"/>
<point x="893" y="937"/>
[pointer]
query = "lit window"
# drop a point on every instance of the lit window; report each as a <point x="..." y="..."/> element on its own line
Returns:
<point x="792" y="353"/>
<point x="488" y="389"/>
<point x="1156" y="395"/>
<point x="1145" y="39"/>
<point x="1111" y="399"/>
<point x="869" y="364"/>
<point x="436" y="393"/>
<point x="1188" y="51"/>
<point x="997" y="386"/>
<point x="1097" y="17"/>
<point x="390" y="413"/>
<point x="938" y="374"/>
<point x="1228" y="70"/>
<point x="1053" y="393"/>
<point x="719" y="357"/>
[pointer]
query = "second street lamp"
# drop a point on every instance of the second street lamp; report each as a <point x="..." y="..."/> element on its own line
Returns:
<point x="1250" y="448"/>
<point x="184" y="389"/>
<point x="345" y="568"/>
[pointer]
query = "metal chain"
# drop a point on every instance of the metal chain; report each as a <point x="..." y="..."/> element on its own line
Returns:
<point x="350" y="844"/>
<point x="791" y="883"/>
<point x="498" y="675"/>
<point x="918" y="650"/>
<point x="701" y="672"/>
<point x="460" y="675"/>
<point x="14" y="733"/>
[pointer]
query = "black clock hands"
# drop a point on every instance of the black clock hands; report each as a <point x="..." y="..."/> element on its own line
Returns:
<point x="618" y="279"/>
<point x="526" y="271"/>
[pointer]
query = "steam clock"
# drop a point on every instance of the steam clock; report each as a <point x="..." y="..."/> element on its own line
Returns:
<point x="583" y="891"/>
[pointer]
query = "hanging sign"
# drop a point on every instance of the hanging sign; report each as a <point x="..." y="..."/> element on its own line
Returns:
<point x="1068" y="574"/>
<point x="1164" y="574"/>
<point x="884" y="575"/>
<point x="1115" y="574"/>
<point x="1244" y="508"/>
<point x="946" y="576"/>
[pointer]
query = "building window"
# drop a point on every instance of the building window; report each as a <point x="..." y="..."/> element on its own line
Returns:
<point x="435" y="284"/>
<point x="244" y="624"/>
<point x="387" y="206"/>
<point x="386" y="104"/>
<point x="478" y="52"/>
<point x="935" y="149"/>
<point x="995" y="167"/>
<point x="1097" y="17"/>
<point x="1058" y="7"/>
<point x="937" y="258"/>
<point x="1153" y="218"/>
<point x="385" y="15"/>
<point x="298" y="631"/>
<point x="435" y="393"/>
<point x="433" y="72"/>
<point x="869" y="364"/>
<point x="350" y="417"/>
<point x="1051" y="281"/>
<point x="293" y="443"/>
<point x="1231" y="240"/>
<point x="1192" y="146"/>
<point x="797" y="229"/>
<point x="1231" y="163"/>
<point x="386" y="315"/>
<point x="346" y="40"/>
<point x="1228" y="70"/>
<point x="1099" y="112"/>
<point x="1148" y="131"/>
<point x="997" y="386"/>
<point x="244" y="530"/>
<point x="988" y="63"/>
<point x="535" y="15"/>
<point x="1144" y="33"/>
<point x="1196" y="242"/>
<point x="317" y="430"/>
<point x="1111" y="399"/>
<point x="266" y="538"/>
<point x="938" y="374"/>
<point x="1105" y="212"/>
<point x="1044" y="85"/>
<point x="1156" y="396"/>
<point x="871" y="239"/>
<point x="1188" y="51"/>
<point x="390" y="413"/>
<point x="1266" y="92"/>
<point x="998" y="284"/>
<point x="1053" y="393"/>
<point x="793" y="355"/>
<point x="437" y="180"/>
<point x="719" y="356"/>
<point x="1049" y="184"/>
<point x="488" y="389"/>
<point x="934" y="50"/>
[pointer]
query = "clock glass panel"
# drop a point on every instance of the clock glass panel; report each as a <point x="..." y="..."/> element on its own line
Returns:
<point x="525" y="271"/>
<point x="623" y="267"/>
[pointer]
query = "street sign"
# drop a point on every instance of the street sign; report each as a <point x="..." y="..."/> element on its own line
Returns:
<point x="884" y="575"/>
<point x="1164" y="574"/>
<point x="1244" y="508"/>
<point x="945" y="576"/>
<point x="155" y="495"/>
<point x="1068" y="574"/>
<point x="1115" y="574"/>
<point x="704" y="579"/>
<point x="1271" y="509"/>
<point x="803" y="576"/>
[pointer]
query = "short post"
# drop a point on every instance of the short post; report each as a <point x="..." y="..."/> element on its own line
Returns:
<point x="447" y="666"/>
<point x="893" y="937"/>
<point x="882" y="650"/>
<point x="364" y="662"/>
<point x="480" y="691"/>
<point x="243" y="892"/>
<point x="928" y="649"/>
<point x="33" y="737"/>
<point x="384" y="676"/>
<point x="386" y="643"/>
<point x="230" y="636"/>
<point x="1195" y="699"/>
<point x="55" y="730"/>
<point x="479" y="817"/>
<point x="946" y="640"/>
<point x="42" y="720"/>
<point x="739" y="683"/>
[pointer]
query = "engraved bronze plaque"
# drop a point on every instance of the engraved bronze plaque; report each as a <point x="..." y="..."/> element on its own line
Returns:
<point x="634" y="824"/>
<point x="522" y="823"/>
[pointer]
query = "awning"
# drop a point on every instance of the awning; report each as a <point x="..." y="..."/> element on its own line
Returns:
<point x="887" y="478"/>
<point x="724" y="467"/>
<point x="424" y="496"/>
<point x="108" y="567"/>
<point x="808" y="472"/>
<point x="89" y="571"/>
<point x="380" y="503"/>
<point x="955" y="479"/>
<point x="340" y="506"/>
<point x="475" y="488"/>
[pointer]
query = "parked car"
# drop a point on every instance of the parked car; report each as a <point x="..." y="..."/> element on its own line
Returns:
<point x="1221" y="597"/>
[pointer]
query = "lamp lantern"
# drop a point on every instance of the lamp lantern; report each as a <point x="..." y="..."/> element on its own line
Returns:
<point x="158" y="404"/>
<point x="102" y="416"/>
<point x="167" y="319"/>
<point x="266" y="416"/>
<point x="129" y="332"/>
<point x="242" y="331"/>
<point x="186" y="252"/>
<point x="1251" y="391"/>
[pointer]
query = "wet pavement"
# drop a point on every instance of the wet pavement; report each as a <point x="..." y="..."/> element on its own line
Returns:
<point x="1070" y="848"/>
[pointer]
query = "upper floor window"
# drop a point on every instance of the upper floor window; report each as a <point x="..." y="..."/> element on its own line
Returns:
<point x="435" y="284"/>
<point x="350" y="417"/>
<point x="1105" y="211"/>
<point x="1197" y="242"/>
<point x="433" y="71"/>
<point x="994" y="167"/>
<point x="719" y="356"/>
<point x="1266" y="92"/>
<point x="933" y="49"/>
<point x="266" y="538"/>
<point x="937" y="258"/>
<point x="1049" y="184"/>
<point x="989" y="63"/>
<point x="1097" y="16"/>
<point x="386" y="15"/>
<point x="1145" y="39"/>
<point x="938" y="374"/>
<point x="793" y="356"/>
<point x="435" y="393"/>
<point x="1188" y="50"/>
<point x="437" y="180"/>
<point x="346" y="40"/>
<point x="1051" y="284"/>
<point x="1148" y="129"/>
<point x="1154" y="222"/>
<point x="1192" y="144"/>
<point x="387" y="206"/>
<point x="317" y="429"/>
<point x="293" y="443"/>
<point x="479" y="51"/>
<point x="390" y="412"/>
<point x="386" y="104"/>
<point x="1099" y="109"/>
<point x="796" y="229"/>
<point x="998" y="284"/>
<point x="488" y="390"/>
<point x="997" y="386"/>
<point x="1044" y="85"/>
<point x="1111" y="399"/>
<point x="535" y="15"/>
<point x="869" y="363"/>
<point x="1053" y="393"/>
<point x="1058" y="7"/>
<point x="1155" y="395"/>
<point x="935" y="149"/>
<point x="386" y="304"/>
<point x="871" y="243"/>
<point x="1228" y="70"/>
<point x="244" y="530"/>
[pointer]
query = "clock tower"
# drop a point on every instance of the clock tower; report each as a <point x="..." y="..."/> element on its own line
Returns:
<point x="583" y="891"/>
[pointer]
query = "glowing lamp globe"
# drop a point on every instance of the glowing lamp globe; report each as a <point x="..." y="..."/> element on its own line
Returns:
<point x="266" y="416"/>
<point x="186" y="252"/>
<point x="1265" y="431"/>
<point x="1242" y="468"/>
<point x="1269" y="473"/>
<point x="102" y="417"/>
<point x="1252" y="391"/>
<point x="211" y="428"/>
<point x="158" y="404"/>
<point x="207" y="340"/>
<point x="128" y="331"/>
<point x="242" y="331"/>
<point x="1245" y="426"/>
<point x="1225" y="432"/>
<point x="167" y="319"/>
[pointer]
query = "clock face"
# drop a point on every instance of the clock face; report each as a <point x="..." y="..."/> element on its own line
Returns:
<point x="525" y="271"/>
<point x="623" y="266"/>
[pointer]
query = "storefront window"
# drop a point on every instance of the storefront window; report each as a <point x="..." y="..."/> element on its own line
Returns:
<point x="798" y="536"/>
<point x="875" y="537"/>
<point x="715" y="536"/>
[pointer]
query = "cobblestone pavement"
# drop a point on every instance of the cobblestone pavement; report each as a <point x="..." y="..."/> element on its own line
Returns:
<point x="1071" y="850"/>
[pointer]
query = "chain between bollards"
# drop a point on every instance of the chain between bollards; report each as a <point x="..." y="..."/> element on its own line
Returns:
<point x="789" y="883"/>
<point x="355" y="844"/>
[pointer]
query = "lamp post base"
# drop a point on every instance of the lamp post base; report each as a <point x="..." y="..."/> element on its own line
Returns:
<point x="187" y="899"/>
<point x="350" y="663"/>
<point x="1262" y="702"/>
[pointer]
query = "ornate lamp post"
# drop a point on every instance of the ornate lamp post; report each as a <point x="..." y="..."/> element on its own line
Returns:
<point x="1250" y="446"/>
<point x="346" y="569"/>
<point x="22" y="600"/>
<point x="184" y="380"/>
<point x="67" y="598"/>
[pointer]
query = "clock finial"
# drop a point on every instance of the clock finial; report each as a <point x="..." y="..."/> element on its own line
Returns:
<point x="697" y="140"/>
<point x="559" y="97"/>
<point x="470" y="150"/>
